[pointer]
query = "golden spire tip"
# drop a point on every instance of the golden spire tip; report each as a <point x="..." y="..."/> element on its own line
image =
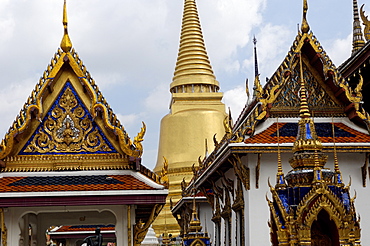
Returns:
<point x="66" y="43"/>
<point x="305" y="27"/>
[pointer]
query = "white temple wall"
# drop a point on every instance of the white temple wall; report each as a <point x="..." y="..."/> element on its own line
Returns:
<point x="256" y="208"/>
<point x="41" y="218"/>
<point x="205" y="216"/>
<point x="350" y="166"/>
<point x="222" y="223"/>
<point x="257" y="212"/>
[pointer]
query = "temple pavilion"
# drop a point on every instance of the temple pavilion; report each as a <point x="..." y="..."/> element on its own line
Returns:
<point x="68" y="161"/>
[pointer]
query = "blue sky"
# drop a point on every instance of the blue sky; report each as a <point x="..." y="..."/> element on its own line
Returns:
<point x="130" y="48"/>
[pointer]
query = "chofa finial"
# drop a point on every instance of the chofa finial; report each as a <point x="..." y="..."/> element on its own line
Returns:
<point x="305" y="27"/>
<point x="66" y="43"/>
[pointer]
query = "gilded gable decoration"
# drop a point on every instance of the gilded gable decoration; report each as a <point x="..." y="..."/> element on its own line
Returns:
<point x="280" y="94"/>
<point x="68" y="128"/>
<point x="288" y="97"/>
<point x="34" y="107"/>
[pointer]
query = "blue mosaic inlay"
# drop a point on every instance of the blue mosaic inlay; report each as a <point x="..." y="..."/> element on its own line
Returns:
<point x="67" y="128"/>
<point x="322" y="130"/>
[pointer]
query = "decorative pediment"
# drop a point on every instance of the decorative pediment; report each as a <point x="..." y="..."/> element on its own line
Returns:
<point x="67" y="128"/>
<point x="329" y="94"/>
<point x="287" y="100"/>
<point x="66" y="114"/>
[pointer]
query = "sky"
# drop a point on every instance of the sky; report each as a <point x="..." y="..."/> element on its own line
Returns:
<point x="130" y="49"/>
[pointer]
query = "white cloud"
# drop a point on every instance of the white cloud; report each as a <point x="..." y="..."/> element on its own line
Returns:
<point x="12" y="99"/>
<point x="274" y="42"/>
<point x="159" y="99"/>
<point x="340" y="50"/>
<point x="226" y="27"/>
<point x="130" y="48"/>
<point x="236" y="100"/>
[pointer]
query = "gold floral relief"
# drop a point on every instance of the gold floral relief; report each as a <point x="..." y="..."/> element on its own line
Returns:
<point x="67" y="128"/>
<point x="316" y="97"/>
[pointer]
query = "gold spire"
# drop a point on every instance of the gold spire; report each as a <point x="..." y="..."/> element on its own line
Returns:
<point x="338" y="178"/>
<point x="307" y="141"/>
<point x="193" y="65"/>
<point x="195" y="226"/>
<point x="358" y="40"/>
<point x="305" y="27"/>
<point x="303" y="112"/>
<point x="66" y="43"/>
<point x="280" y="175"/>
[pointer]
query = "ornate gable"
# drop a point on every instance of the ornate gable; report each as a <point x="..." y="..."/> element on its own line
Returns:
<point x="287" y="99"/>
<point x="68" y="127"/>
<point x="329" y="94"/>
<point x="67" y="124"/>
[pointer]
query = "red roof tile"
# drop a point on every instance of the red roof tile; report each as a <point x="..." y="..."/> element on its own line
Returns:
<point x="84" y="228"/>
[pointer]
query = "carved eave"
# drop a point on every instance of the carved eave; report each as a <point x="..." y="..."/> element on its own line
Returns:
<point x="67" y="67"/>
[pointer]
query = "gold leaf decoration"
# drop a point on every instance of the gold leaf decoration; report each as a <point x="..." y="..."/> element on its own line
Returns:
<point x="68" y="128"/>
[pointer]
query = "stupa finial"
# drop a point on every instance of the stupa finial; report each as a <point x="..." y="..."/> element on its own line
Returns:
<point x="193" y="65"/>
<point x="66" y="43"/>
<point x="358" y="38"/>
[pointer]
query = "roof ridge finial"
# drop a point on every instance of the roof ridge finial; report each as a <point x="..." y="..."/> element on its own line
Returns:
<point x="255" y="57"/>
<point x="358" y="38"/>
<point x="305" y="27"/>
<point x="66" y="43"/>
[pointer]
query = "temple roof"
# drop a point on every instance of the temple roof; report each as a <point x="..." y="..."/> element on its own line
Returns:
<point x="45" y="182"/>
<point x="66" y="229"/>
<point x="79" y="188"/>
<point x="67" y="124"/>
<point x="328" y="93"/>
<point x="288" y="134"/>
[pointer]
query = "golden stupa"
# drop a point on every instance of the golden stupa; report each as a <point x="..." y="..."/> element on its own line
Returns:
<point x="196" y="114"/>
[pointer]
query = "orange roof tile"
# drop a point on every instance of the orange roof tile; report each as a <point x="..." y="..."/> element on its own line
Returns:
<point x="288" y="134"/>
<point x="71" y="183"/>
